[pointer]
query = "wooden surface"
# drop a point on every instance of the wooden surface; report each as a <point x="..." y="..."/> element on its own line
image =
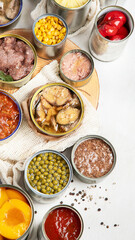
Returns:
<point x="90" y="90"/>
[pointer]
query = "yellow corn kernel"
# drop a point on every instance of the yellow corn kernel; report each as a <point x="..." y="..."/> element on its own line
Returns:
<point x="61" y="36"/>
<point x="42" y="28"/>
<point x="63" y="30"/>
<point x="59" y="27"/>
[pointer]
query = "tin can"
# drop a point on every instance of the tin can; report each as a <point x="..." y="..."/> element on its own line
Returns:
<point x="82" y="177"/>
<point x="49" y="51"/>
<point x="41" y="230"/>
<point x="8" y="138"/>
<point x="14" y="21"/>
<point x="23" y="81"/>
<point x="84" y="81"/>
<point x="60" y="133"/>
<point x="102" y="48"/>
<point x="41" y="197"/>
<point x="25" y="236"/>
<point x="74" y="17"/>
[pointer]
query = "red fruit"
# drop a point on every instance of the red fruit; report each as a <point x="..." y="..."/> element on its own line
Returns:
<point x="115" y="15"/>
<point x="123" y="31"/>
<point x="117" y="37"/>
<point x="107" y="31"/>
<point x="116" y="23"/>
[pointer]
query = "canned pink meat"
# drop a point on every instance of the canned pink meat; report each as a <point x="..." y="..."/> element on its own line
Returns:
<point x="76" y="66"/>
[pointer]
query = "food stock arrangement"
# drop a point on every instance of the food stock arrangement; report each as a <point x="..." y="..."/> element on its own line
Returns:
<point x="56" y="110"/>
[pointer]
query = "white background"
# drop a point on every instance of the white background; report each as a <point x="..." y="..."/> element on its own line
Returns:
<point x="117" y="123"/>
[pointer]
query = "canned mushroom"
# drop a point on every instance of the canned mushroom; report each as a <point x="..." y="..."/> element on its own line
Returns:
<point x="61" y="221"/>
<point x="93" y="158"/>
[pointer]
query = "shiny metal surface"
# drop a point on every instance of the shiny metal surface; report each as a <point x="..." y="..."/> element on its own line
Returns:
<point x="49" y="51"/>
<point x="41" y="231"/>
<point x="23" y="81"/>
<point x="102" y="48"/>
<point x="74" y="17"/>
<point x="81" y="176"/>
<point x="106" y="3"/>
<point x="45" y="131"/>
<point x="82" y="82"/>
<point x="13" y="22"/>
<point x="25" y="236"/>
<point x="41" y="197"/>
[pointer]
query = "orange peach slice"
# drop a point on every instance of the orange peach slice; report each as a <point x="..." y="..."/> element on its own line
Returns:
<point x="3" y="196"/>
<point x="15" y="218"/>
<point x="14" y="194"/>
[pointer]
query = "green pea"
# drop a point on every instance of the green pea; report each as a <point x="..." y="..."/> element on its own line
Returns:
<point x="37" y="163"/>
<point x="49" y="175"/>
<point x="61" y="181"/>
<point x="51" y="184"/>
<point x="46" y="161"/>
<point x="58" y="170"/>
<point x="50" y="158"/>
<point x="41" y="155"/>
<point x="63" y="177"/>
<point x="52" y="190"/>
<point x="38" y="188"/>
<point x="36" y="170"/>
<point x="42" y="170"/>
<point x="59" y="189"/>
<point x="38" y="183"/>
<point x="44" y="166"/>
<point x="63" y="172"/>
<point x="46" y="154"/>
<point x="64" y="184"/>
<point x="38" y="173"/>
<point x="48" y="180"/>
<point x="39" y="167"/>
<point x="43" y="181"/>
<point x="58" y="177"/>
<point x="55" y="182"/>
<point x="48" y="189"/>
<point x="31" y="177"/>
<point x="55" y="164"/>
<point x="55" y="168"/>
<point x="37" y="177"/>
<point x="51" y="171"/>
<point x="43" y="191"/>
<point x="55" y="187"/>
<point x="50" y="166"/>
<point x="32" y="163"/>
<point x="43" y="158"/>
<point x="41" y="162"/>
<point x="63" y="168"/>
<point x="38" y="158"/>
<point x="46" y="184"/>
<point x="45" y="173"/>
<point x="34" y="159"/>
<point x="55" y="174"/>
<point x="60" y="165"/>
<point x="41" y="176"/>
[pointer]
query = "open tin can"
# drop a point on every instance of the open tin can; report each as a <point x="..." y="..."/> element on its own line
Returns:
<point x="75" y="17"/>
<point x="102" y="48"/>
<point x="39" y="196"/>
<point x="28" y="232"/>
<point x="41" y="230"/>
<point x="81" y="176"/>
<point x="81" y="82"/>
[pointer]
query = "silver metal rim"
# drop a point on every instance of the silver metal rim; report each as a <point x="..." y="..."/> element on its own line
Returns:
<point x="71" y="9"/>
<point x="53" y="15"/>
<point x="87" y="138"/>
<point x="46" y="196"/>
<point x="120" y="9"/>
<point x="87" y="55"/>
<point x="29" y="201"/>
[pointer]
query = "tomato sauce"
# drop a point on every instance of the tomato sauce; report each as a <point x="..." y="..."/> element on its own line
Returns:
<point x="62" y="223"/>
<point x="9" y="116"/>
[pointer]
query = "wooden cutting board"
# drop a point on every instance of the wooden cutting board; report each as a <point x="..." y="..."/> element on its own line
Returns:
<point x="90" y="90"/>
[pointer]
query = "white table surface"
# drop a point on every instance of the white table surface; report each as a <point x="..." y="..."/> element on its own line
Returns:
<point x="117" y="123"/>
